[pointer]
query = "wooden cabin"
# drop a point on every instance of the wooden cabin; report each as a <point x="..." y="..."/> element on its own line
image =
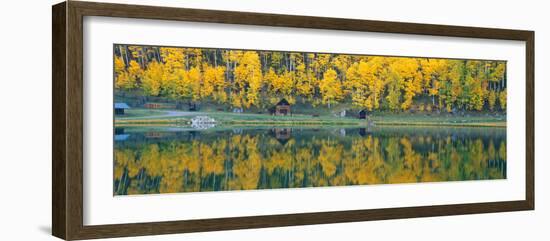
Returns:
<point x="120" y="107"/>
<point x="282" y="108"/>
<point x="363" y="114"/>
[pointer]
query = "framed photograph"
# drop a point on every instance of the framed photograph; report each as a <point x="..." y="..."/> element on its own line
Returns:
<point x="171" y="120"/>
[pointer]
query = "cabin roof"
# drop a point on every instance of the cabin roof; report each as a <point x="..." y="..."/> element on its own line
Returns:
<point x="283" y="102"/>
<point x="121" y="105"/>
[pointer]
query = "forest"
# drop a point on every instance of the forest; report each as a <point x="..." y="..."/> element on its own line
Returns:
<point x="256" y="79"/>
<point x="204" y="119"/>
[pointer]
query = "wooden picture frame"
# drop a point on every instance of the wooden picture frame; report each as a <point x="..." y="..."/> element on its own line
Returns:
<point x="67" y="124"/>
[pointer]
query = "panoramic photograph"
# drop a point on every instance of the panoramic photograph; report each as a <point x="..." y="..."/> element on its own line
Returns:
<point x="190" y="119"/>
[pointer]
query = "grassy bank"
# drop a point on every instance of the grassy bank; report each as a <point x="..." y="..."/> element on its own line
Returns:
<point x="144" y="117"/>
<point x="481" y="120"/>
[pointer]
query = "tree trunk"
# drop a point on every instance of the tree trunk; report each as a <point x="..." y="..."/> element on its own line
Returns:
<point x="186" y="61"/>
<point x="215" y="58"/>
<point x="125" y="59"/>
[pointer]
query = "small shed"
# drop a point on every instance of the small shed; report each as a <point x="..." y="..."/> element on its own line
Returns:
<point x="282" y="108"/>
<point x="363" y="114"/>
<point x="120" y="107"/>
<point x="282" y="134"/>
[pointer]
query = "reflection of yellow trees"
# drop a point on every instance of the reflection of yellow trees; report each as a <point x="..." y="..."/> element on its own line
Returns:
<point x="124" y="159"/>
<point x="366" y="163"/>
<point x="502" y="150"/>
<point x="213" y="157"/>
<point x="410" y="165"/>
<point x="247" y="161"/>
<point x="329" y="156"/>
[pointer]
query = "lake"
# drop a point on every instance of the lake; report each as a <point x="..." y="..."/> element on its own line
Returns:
<point x="175" y="160"/>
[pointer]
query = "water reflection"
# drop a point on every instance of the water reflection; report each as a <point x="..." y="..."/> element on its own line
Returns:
<point x="168" y="161"/>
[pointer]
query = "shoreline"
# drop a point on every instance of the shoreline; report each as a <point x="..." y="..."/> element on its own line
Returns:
<point x="180" y="123"/>
<point x="175" y="118"/>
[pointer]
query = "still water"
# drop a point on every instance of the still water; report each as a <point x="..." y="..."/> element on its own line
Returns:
<point x="164" y="160"/>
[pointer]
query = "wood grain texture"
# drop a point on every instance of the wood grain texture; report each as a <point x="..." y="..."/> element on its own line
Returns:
<point x="59" y="191"/>
<point x="121" y="230"/>
<point x="74" y="110"/>
<point x="530" y="120"/>
<point x="279" y="20"/>
<point x="67" y="180"/>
